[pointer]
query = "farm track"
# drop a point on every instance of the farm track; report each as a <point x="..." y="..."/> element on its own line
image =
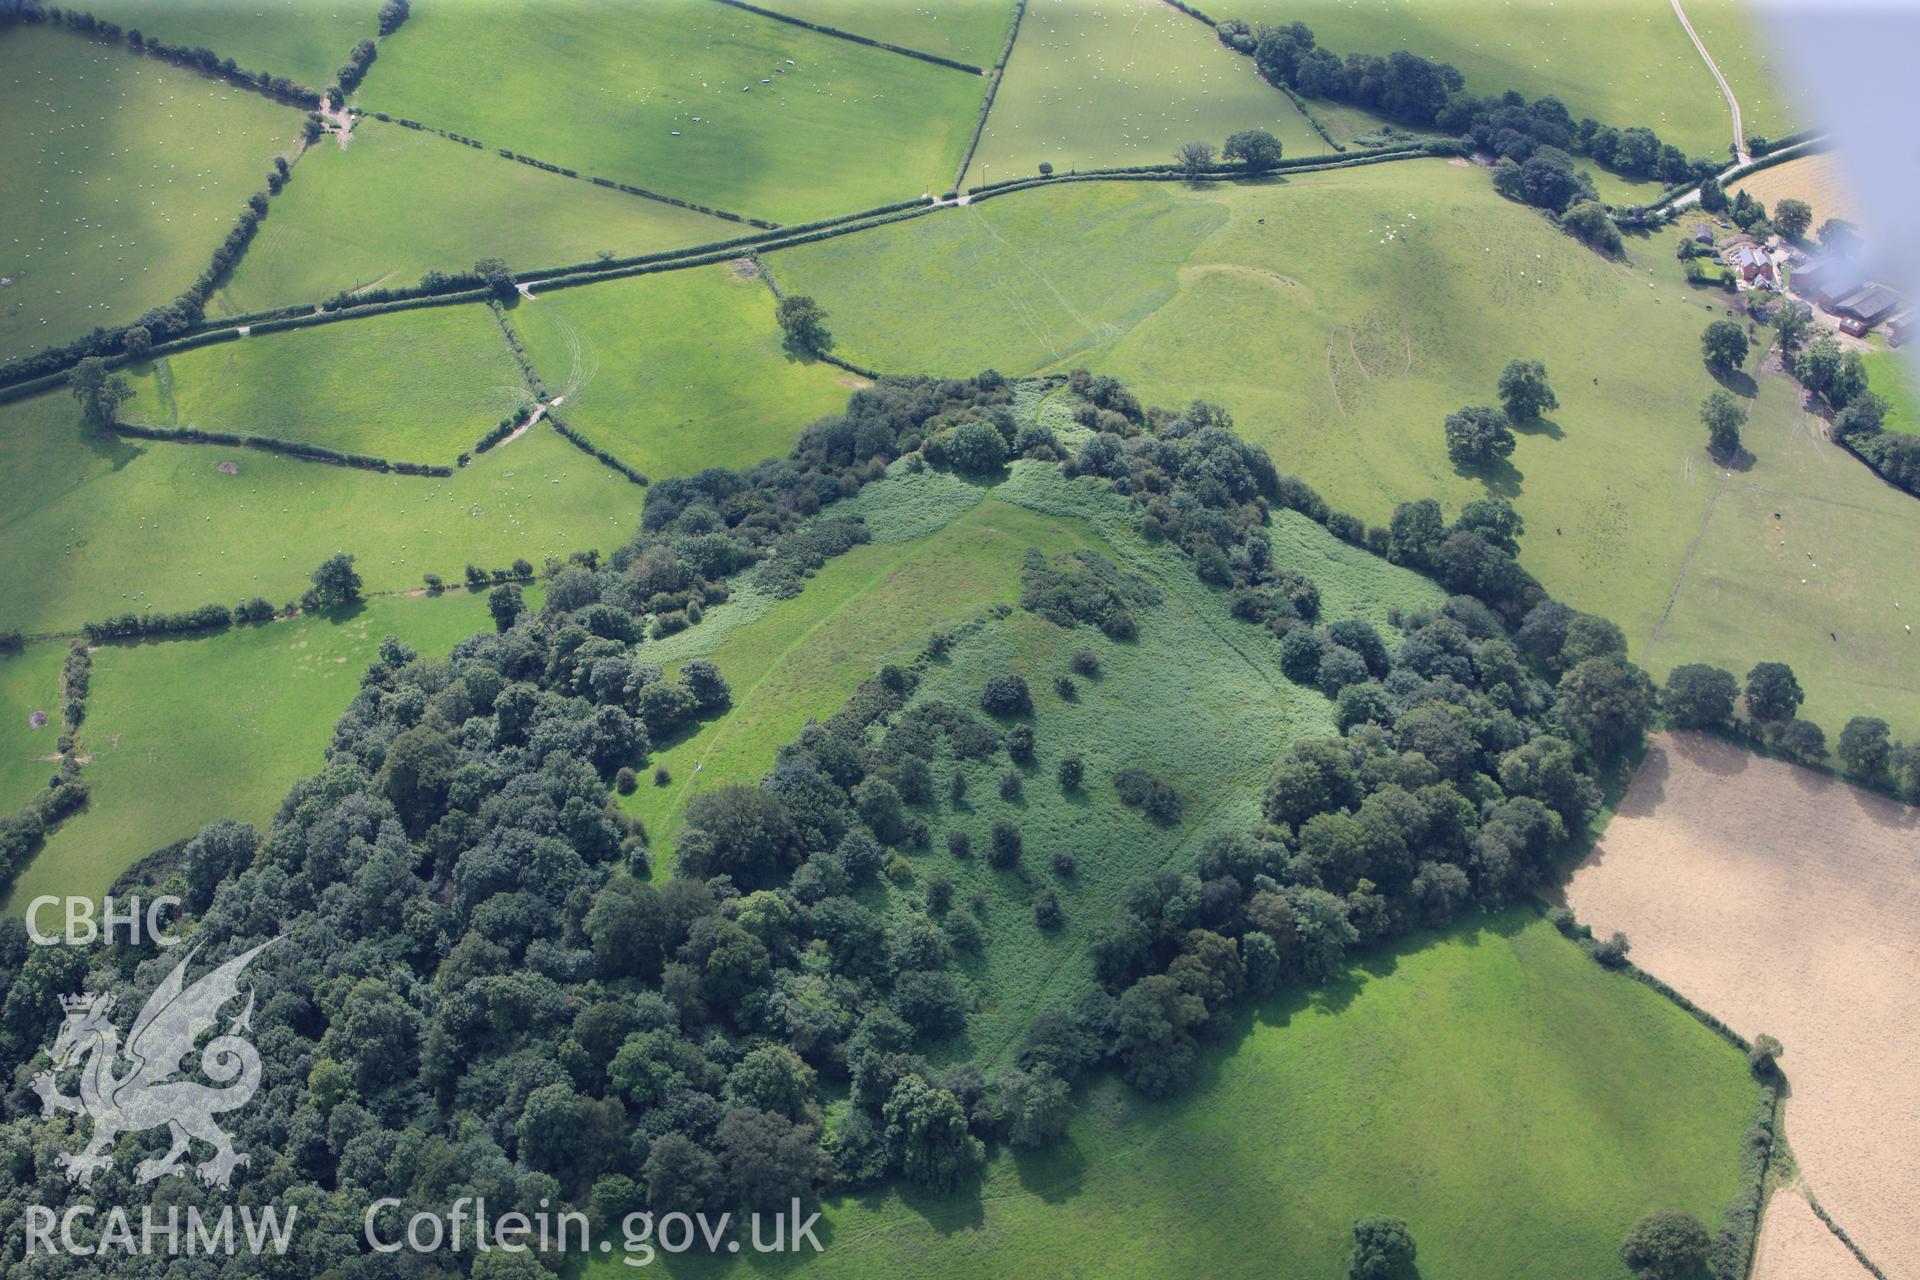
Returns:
<point x="1733" y="103"/>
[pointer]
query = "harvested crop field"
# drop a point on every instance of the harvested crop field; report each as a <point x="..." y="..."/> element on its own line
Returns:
<point x="1788" y="903"/>
<point x="1819" y="179"/>
<point x="1796" y="1245"/>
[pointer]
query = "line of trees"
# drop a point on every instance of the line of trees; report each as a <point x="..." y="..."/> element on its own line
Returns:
<point x="200" y="59"/>
<point x="1699" y="696"/>
<point x="1537" y="144"/>
<point x="24" y="831"/>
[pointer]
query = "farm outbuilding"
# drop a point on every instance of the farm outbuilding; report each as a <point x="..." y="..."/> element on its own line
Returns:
<point x="1900" y="328"/>
<point x="1865" y="307"/>
<point x="1838" y="284"/>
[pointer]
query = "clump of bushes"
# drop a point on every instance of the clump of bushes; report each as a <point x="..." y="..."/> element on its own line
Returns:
<point x="1006" y="694"/>
<point x="1007" y="844"/>
<point x="1149" y="793"/>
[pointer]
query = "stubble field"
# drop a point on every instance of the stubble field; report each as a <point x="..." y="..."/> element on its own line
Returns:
<point x="1786" y="903"/>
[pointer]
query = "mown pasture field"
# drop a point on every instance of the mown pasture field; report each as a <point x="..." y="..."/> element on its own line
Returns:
<point x="123" y="176"/>
<point x="410" y="386"/>
<point x="965" y="30"/>
<point x="700" y="101"/>
<point x="1820" y="179"/>
<point x="994" y="285"/>
<point x="396" y="203"/>
<point x="304" y="40"/>
<point x="1092" y="85"/>
<point x="1625" y="63"/>
<point x="1892" y="377"/>
<point x="181" y="732"/>
<point x="1785" y="902"/>
<point x="1451" y="1080"/>
<point x="97" y="526"/>
<point x="677" y="371"/>
<point x="1810" y="559"/>
<point x="1746" y="46"/>
<point x="29" y="683"/>
<point x="1340" y="316"/>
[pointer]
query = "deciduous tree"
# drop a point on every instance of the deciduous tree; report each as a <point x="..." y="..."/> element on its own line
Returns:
<point x="1256" y="149"/>
<point x="1723" y="345"/>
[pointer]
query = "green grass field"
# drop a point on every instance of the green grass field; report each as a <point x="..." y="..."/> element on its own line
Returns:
<point x="411" y="386"/>
<point x="243" y="715"/>
<point x="305" y="40"/>
<point x="965" y="30"/>
<point x="1625" y="63"/>
<point x="1094" y="84"/>
<point x="1741" y="40"/>
<point x="798" y="659"/>
<point x="995" y="285"/>
<point x="29" y="682"/>
<point x="802" y="658"/>
<point x="397" y="203"/>
<point x="123" y="175"/>
<point x="1825" y="587"/>
<point x="1891" y="375"/>
<point x="835" y="128"/>
<point x="96" y="527"/>
<point x="1341" y="348"/>
<point x="677" y="371"/>
<point x="1518" y="1105"/>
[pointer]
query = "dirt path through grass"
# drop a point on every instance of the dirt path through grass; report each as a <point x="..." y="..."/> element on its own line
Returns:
<point x="1733" y="103"/>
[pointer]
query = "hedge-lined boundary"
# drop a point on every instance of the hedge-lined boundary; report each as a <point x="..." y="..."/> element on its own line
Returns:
<point x="1300" y="105"/>
<point x="1220" y="173"/>
<point x="538" y="386"/>
<point x="24" y="831"/>
<point x="1873" y="462"/>
<point x="1750" y="737"/>
<point x="508" y="425"/>
<point x="1192" y="12"/>
<point x="993" y="89"/>
<point x="869" y="374"/>
<point x="454" y="289"/>
<point x="291" y="448"/>
<point x="564" y="172"/>
<point x="1840" y="1234"/>
<point x="1740" y="1223"/>
<point x="836" y="32"/>
<point x="204" y="61"/>
<point x="1740" y="1226"/>
<point x="528" y="374"/>
<point x="1806" y="143"/>
<point x="593" y="450"/>
<point x="186" y="313"/>
<point x="918" y="209"/>
<point x="226" y="330"/>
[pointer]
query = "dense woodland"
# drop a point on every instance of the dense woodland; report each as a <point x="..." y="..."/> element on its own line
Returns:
<point x="485" y="990"/>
